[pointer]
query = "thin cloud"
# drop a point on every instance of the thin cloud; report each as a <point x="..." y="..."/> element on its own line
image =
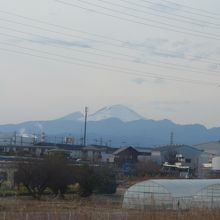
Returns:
<point x="167" y="7"/>
<point x="139" y="81"/>
<point x="64" y="43"/>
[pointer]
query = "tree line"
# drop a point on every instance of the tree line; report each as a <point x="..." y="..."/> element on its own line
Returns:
<point x="55" y="173"/>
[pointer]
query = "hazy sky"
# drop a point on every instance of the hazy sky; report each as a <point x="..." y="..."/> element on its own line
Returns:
<point x="159" y="58"/>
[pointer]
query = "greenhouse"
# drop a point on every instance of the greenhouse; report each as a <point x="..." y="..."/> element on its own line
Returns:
<point x="173" y="194"/>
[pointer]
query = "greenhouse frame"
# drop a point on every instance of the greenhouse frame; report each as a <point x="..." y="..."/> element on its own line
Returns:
<point x="173" y="194"/>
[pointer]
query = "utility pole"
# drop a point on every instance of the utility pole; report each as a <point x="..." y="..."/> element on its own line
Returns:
<point x="171" y="138"/>
<point x="15" y="140"/>
<point x="85" y="126"/>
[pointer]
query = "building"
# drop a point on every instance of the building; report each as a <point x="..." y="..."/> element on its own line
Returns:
<point x="125" y="155"/>
<point x="212" y="148"/>
<point x="183" y="154"/>
<point x="144" y="154"/>
<point x="14" y="139"/>
<point x="26" y="150"/>
<point x="92" y="154"/>
<point x="75" y="151"/>
<point x="8" y="168"/>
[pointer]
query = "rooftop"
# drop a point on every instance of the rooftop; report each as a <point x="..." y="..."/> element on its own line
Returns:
<point x="173" y="147"/>
<point x="212" y="147"/>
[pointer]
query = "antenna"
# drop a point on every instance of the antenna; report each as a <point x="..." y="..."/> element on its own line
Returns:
<point x="85" y="126"/>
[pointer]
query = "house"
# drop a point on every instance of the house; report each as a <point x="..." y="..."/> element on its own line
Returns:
<point x="107" y="154"/>
<point x="98" y="154"/>
<point x="144" y="154"/>
<point x="125" y="155"/>
<point x="75" y="151"/>
<point x="92" y="153"/>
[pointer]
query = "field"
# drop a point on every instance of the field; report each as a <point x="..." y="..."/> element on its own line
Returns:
<point x="93" y="208"/>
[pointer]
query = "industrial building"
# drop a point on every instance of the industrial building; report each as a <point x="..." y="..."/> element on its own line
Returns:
<point x="173" y="194"/>
<point x="212" y="147"/>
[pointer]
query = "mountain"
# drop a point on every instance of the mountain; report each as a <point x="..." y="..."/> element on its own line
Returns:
<point x="73" y="116"/>
<point x="120" y="112"/>
<point x="119" y="124"/>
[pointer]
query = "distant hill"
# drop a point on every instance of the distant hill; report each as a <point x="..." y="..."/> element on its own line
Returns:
<point x="121" y="125"/>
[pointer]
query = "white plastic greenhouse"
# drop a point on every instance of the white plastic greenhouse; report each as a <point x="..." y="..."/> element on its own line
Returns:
<point x="173" y="194"/>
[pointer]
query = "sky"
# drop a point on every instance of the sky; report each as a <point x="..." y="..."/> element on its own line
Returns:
<point x="160" y="58"/>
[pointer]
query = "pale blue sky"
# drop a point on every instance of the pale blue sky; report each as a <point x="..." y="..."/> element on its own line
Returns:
<point x="35" y="87"/>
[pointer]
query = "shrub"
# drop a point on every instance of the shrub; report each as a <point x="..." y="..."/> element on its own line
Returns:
<point x="105" y="181"/>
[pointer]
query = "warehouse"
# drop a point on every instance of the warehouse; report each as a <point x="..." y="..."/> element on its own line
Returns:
<point x="173" y="194"/>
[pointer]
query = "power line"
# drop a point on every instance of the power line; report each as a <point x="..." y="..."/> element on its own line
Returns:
<point x="192" y="8"/>
<point x="77" y="59"/>
<point x="49" y="30"/>
<point x="53" y="39"/>
<point x="191" y="21"/>
<point x="60" y="26"/>
<point x="148" y="63"/>
<point x="95" y="65"/>
<point x="170" y="66"/>
<point x="187" y="11"/>
<point x="125" y="7"/>
<point x="167" y="52"/>
<point x="171" y="16"/>
<point x="169" y="28"/>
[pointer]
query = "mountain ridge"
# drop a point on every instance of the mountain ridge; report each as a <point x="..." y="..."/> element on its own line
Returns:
<point x="141" y="131"/>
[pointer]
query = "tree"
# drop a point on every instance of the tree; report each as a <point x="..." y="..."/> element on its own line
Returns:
<point x="85" y="176"/>
<point x="95" y="179"/>
<point x="147" y="168"/>
<point x="33" y="175"/>
<point x="53" y="172"/>
<point x="105" y="180"/>
<point x="60" y="174"/>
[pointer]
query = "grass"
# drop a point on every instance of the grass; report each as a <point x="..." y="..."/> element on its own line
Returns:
<point x="93" y="208"/>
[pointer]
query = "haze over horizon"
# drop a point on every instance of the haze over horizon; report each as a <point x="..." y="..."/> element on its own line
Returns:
<point x="57" y="58"/>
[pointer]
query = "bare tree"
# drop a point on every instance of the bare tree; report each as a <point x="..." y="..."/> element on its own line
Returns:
<point x="37" y="175"/>
<point x="33" y="175"/>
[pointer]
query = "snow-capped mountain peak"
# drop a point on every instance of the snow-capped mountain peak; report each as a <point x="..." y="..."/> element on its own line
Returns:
<point x="73" y="116"/>
<point x="115" y="111"/>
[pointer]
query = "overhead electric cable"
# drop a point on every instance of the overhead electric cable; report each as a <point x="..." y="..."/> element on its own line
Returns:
<point x="124" y="43"/>
<point x="169" y="27"/>
<point x="193" y="8"/>
<point x="103" y="66"/>
<point x="171" y="15"/>
<point x="158" y="65"/>
<point x="210" y="14"/>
